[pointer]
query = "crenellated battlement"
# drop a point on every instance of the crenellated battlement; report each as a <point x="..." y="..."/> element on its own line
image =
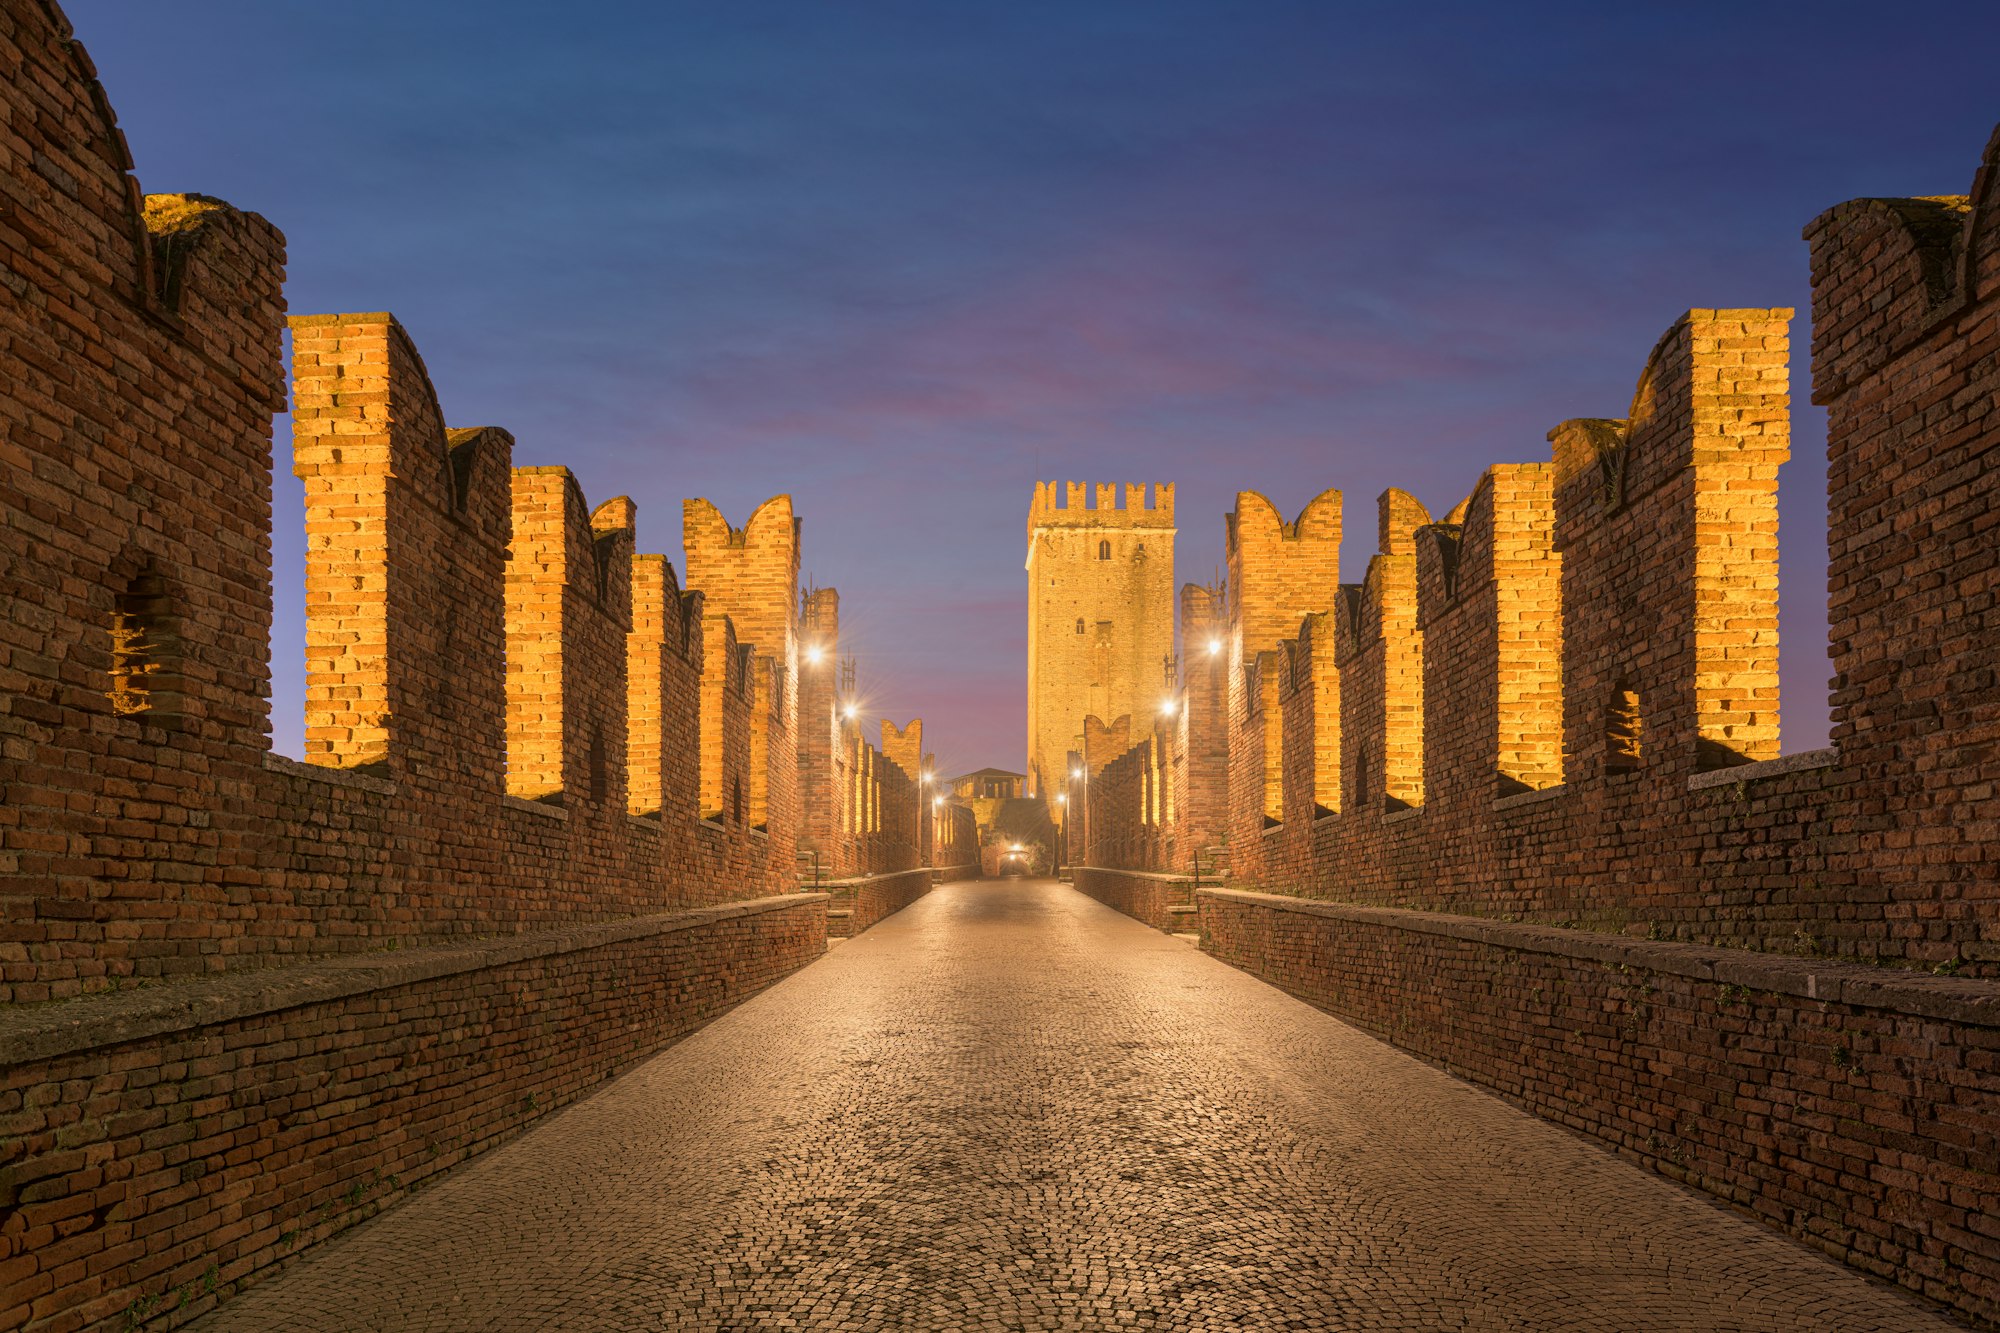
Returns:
<point x="1077" y="504"/>
<point x="904" y="746"/>
<point x="1558" y="704"/>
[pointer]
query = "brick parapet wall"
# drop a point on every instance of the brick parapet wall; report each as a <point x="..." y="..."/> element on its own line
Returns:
<point x="870" y="898"/>
<point x="266" y="861"/>
<point x="1559" y="594"/>
<point x="1201" y="810"/>
<point x="822" y="764"/>
<point x="149" y="836"/>
<point x="1906" y="361"/>
<point x="168" y="1146"/>
<point x="957" y="844"/>
<point x="1279" y="573"/>
<point x="1854" y="1107"/>
<point x="751" y="575"/>
<point x="1139" y="894"/>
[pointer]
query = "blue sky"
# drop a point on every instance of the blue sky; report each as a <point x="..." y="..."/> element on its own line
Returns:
<point x="902" y="259"/>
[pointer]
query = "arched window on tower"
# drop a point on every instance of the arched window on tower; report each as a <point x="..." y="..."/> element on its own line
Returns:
<point x="1079" y="624"/>
<point x="1104" y="550"/>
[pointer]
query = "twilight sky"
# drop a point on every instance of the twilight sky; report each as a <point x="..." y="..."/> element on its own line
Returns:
<point x="902" y="258"/>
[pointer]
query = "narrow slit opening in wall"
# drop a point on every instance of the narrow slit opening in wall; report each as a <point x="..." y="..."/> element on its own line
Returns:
<point x="145" y="650"/>
<point x="1806" y="716"/>
<point x="286" y="649"/>
<point x="1624" y="729"/>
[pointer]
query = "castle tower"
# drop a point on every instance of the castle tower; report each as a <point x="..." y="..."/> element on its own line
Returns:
<point x="1100" y="617"/>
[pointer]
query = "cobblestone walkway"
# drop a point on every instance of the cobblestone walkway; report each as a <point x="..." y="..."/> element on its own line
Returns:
<point x="1011" y="1108"/>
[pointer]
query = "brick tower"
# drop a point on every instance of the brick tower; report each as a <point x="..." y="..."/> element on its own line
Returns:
<point x="1100" y="617"/>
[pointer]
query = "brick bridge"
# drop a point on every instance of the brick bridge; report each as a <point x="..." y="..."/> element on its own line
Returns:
<point x="1478" y="960"/>
<point x="1008" y="1107"/>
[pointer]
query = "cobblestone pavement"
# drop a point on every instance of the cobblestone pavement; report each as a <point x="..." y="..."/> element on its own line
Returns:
<point x="1007" y="1108"/>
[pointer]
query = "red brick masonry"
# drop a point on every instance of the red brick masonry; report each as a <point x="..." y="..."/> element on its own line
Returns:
<point x="1856" y="1107"/>
<point x="871" y="897"/>
<point x="1139" y="894"/>
<point x="180" y="1141"/>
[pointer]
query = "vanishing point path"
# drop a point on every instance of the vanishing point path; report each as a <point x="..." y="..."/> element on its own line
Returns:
<point x="1007" y="1108"/>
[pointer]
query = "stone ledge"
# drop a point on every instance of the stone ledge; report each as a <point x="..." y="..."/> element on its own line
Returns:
<point x="1521" y="798"/>
<point x="534" y="807"/>
<point x="66" y="1027"/>
<point x="1399" y="816"/>
<point x="856" y="881"/>
<point x="1168" y="876"/>
<point x="1952" y="999"/>
<point x="1766" y="768"/>
<point x="338" y="777"/>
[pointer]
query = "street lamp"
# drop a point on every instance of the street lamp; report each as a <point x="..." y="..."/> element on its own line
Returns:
<point x="1214" y="647"/>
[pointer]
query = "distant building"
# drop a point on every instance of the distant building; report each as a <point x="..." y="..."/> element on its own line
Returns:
<point x="1011" y="824"/>
<point x="988" y="784"/>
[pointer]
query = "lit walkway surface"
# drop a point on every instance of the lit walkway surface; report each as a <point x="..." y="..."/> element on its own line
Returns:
<point x="1011" y="1108"/>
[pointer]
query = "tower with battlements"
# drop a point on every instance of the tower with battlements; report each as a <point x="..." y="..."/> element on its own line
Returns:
<point x="1100" y="616"/>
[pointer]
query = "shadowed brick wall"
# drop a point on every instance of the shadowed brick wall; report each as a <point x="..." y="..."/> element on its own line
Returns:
<point x="1581" y="660"/>
<point x="246" y="1000"/>
<point x="1906" y="360"/>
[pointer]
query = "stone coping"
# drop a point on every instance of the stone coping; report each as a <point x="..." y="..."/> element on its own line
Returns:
<point x="110" y="1018"/>
<point x="1952" y="999"/>
<point x="1521" y="798"/>
<point x="1765" y="768"/>
<point x="338" y="777"/>
<point x="1167" y="875"/>
<point x="526" y="806"/>
<point x="855" y="881"/>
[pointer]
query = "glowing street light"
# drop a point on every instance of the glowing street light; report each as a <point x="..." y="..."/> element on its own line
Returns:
<point x="1062" y="798"/>
<point x="815" y="654"/>
<point x="849" y="711"/>
<point x="1214" y="647"/>
<point x="1076" y="773"/>
<point x="1167" y="708"/>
